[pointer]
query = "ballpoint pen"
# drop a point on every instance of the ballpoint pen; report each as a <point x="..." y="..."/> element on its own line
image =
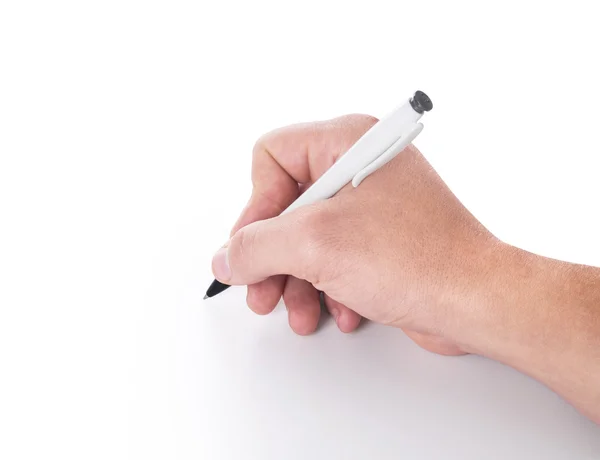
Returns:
<point x="380" y="144"/>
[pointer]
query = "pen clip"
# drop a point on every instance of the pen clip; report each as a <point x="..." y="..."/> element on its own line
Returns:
<point x="412" y="131"/>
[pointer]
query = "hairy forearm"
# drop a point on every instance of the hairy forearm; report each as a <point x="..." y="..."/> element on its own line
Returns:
<point x="542" y="317"/>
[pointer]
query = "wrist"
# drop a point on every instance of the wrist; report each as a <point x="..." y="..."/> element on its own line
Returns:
<point x="499" y="311"/>
<point x="483" y="304"/>
<point x="524" y="300"/>
<point x="540" y="316"/>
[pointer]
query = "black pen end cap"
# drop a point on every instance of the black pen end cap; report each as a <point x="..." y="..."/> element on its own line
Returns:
<point x="421" y="103"/>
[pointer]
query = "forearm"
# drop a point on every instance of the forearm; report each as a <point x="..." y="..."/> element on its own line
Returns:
<point x="542" y="317"/>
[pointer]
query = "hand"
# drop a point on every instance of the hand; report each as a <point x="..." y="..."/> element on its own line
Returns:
<point x="400" y="249"/>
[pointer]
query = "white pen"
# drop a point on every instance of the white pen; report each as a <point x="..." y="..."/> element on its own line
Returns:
<point x="380" y="144"/>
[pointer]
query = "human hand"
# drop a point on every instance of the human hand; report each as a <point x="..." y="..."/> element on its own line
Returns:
<point x="399" y="250"/>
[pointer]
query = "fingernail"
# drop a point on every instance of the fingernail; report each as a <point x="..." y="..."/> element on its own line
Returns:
<point x="221" y="265"/>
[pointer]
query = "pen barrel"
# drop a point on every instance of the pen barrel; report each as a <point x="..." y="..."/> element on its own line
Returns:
<point x="372" y="144"/>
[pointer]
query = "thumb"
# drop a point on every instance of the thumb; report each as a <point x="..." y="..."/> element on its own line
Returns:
<point x="291" y="244"/>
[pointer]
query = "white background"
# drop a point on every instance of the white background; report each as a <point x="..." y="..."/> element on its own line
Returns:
<point x="125" y="136"/>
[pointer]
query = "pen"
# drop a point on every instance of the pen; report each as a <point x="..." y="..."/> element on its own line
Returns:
<point x="380" y="144"/>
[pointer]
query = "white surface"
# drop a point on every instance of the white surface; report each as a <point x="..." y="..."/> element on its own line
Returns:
<point x="262" y="392"/>
<point x="121" y="124"/>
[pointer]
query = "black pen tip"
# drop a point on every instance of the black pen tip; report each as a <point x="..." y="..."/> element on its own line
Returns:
<point x="205" y="297"/>
<point x="215" y="288"/>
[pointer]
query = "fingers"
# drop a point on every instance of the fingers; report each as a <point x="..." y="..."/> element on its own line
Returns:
<point x="285" y="162"/>
<point x="264" y="296"/>
<point x="302" y="302"/>
<point x="304" y="310"/>
<point x="296" y="155"/>
<point x="347" y="320"/>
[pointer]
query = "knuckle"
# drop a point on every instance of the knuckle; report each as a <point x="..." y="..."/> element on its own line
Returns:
<point x="265" y="142"/>
<point x="242" y="245"/>
<point x="359" y="121"/>
<point x="259" y="147"/>
<point x="261" y="142"/>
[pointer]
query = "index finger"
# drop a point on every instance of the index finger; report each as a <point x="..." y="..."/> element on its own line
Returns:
<point x="291" y="158"/>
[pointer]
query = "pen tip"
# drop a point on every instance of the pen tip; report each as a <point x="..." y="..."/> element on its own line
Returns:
<point x="205" y="297"/>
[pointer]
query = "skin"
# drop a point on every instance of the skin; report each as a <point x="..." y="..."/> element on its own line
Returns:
<point x="401" y="250"/>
